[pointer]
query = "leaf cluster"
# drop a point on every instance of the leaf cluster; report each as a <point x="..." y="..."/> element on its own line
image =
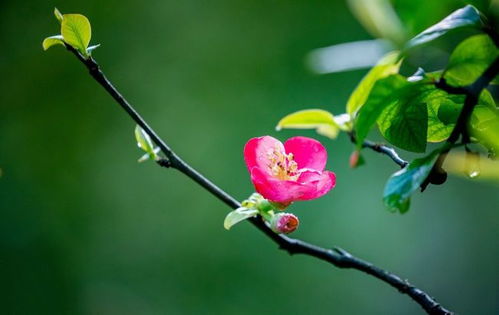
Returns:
<point x="411" y="112"/>
<point x="75" y="32"/>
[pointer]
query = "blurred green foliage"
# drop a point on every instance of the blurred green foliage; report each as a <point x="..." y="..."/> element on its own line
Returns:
<point x="84" y="229"/>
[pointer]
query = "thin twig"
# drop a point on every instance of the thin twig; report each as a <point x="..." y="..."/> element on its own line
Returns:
<point x="381" y="148"/>
<point x="338" y="257"/>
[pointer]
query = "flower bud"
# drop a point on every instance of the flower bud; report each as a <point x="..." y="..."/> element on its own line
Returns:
<point x="356" y="159"/>
<point x="284" y="223"/>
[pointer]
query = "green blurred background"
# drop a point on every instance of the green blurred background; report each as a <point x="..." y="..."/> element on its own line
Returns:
<point x="84" y="229"/>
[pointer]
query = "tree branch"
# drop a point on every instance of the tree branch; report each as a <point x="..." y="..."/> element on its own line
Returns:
<point x="381" y="148"/>
<point x="337" y="257"/>
<point x="472" y="95"/>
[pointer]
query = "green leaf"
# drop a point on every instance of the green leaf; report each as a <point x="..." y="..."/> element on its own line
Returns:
<point x="58" y="15"/>
<point x="405" y="123"/>
<point x="76" y="31"/>
<point x="52" y="41"/>
<point x="484" y="126"/>
<point x="381" y="96"/>
<point x="482" y="116"/>
<point x="470" y="59"/>
<point x="145" y="143"/>
<point x="448" y="110"/>
<point x="389" y="64"/>
<point x="468" y="16"/>
<point x="486" y="99"/>
<point x="400" y="110"/>
<point x="238" y="215"/>
<point x="404" y="183"/>
<point x="320" y="120"/>
<point x="443" y="110"/>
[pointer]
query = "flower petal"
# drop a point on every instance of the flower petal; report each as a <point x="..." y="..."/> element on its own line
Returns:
<point x="273" y="189"/>
<point x="317" y="184"/>
<point x="308" y="153"/>
<point x="257" y="150"/>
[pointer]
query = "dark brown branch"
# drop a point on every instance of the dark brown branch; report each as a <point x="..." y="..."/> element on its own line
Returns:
<point x="381" y="148"/>
<point x="444" y="86"/>
<point x="338" y="257"/>
<point x="472" y="94"/>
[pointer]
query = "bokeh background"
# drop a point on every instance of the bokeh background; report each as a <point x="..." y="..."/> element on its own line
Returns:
<point x="85" y="229"/>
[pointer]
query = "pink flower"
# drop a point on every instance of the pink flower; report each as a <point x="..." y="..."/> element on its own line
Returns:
<point x="284" y="223"/>
<point x="290" y="172"/>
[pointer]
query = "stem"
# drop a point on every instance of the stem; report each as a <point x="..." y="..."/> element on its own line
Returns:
<point x="337" y="257"/>
<point x="472" y="95"/>
<point x="381" y="148"/>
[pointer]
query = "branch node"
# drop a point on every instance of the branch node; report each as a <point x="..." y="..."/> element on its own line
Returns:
<point x="381" y="148"/>
<point x="444" y="86"/>
<point x="164" y="163"/>
<point x="342" y="252"/>
<point x="405" y="286"/>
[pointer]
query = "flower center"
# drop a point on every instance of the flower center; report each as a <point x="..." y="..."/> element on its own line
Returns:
<point x="283" y="166"/>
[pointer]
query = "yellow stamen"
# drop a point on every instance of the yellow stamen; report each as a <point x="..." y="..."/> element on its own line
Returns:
<point x="283" y="166"/>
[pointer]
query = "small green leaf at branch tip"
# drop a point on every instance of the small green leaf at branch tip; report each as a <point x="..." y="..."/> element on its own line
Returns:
<point x="322" y="121"/>
<point x="145" y="143"/>
<point x="251" y="207"/>
<point x="389" y="64"/>
<point x="467" y="16"/>
<point x="58" y="15"/>
<point x="76" y="31"/>
<point x="238" y="215"/>
<point x="404" y="183"/>
<point x="52" y="41"/>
